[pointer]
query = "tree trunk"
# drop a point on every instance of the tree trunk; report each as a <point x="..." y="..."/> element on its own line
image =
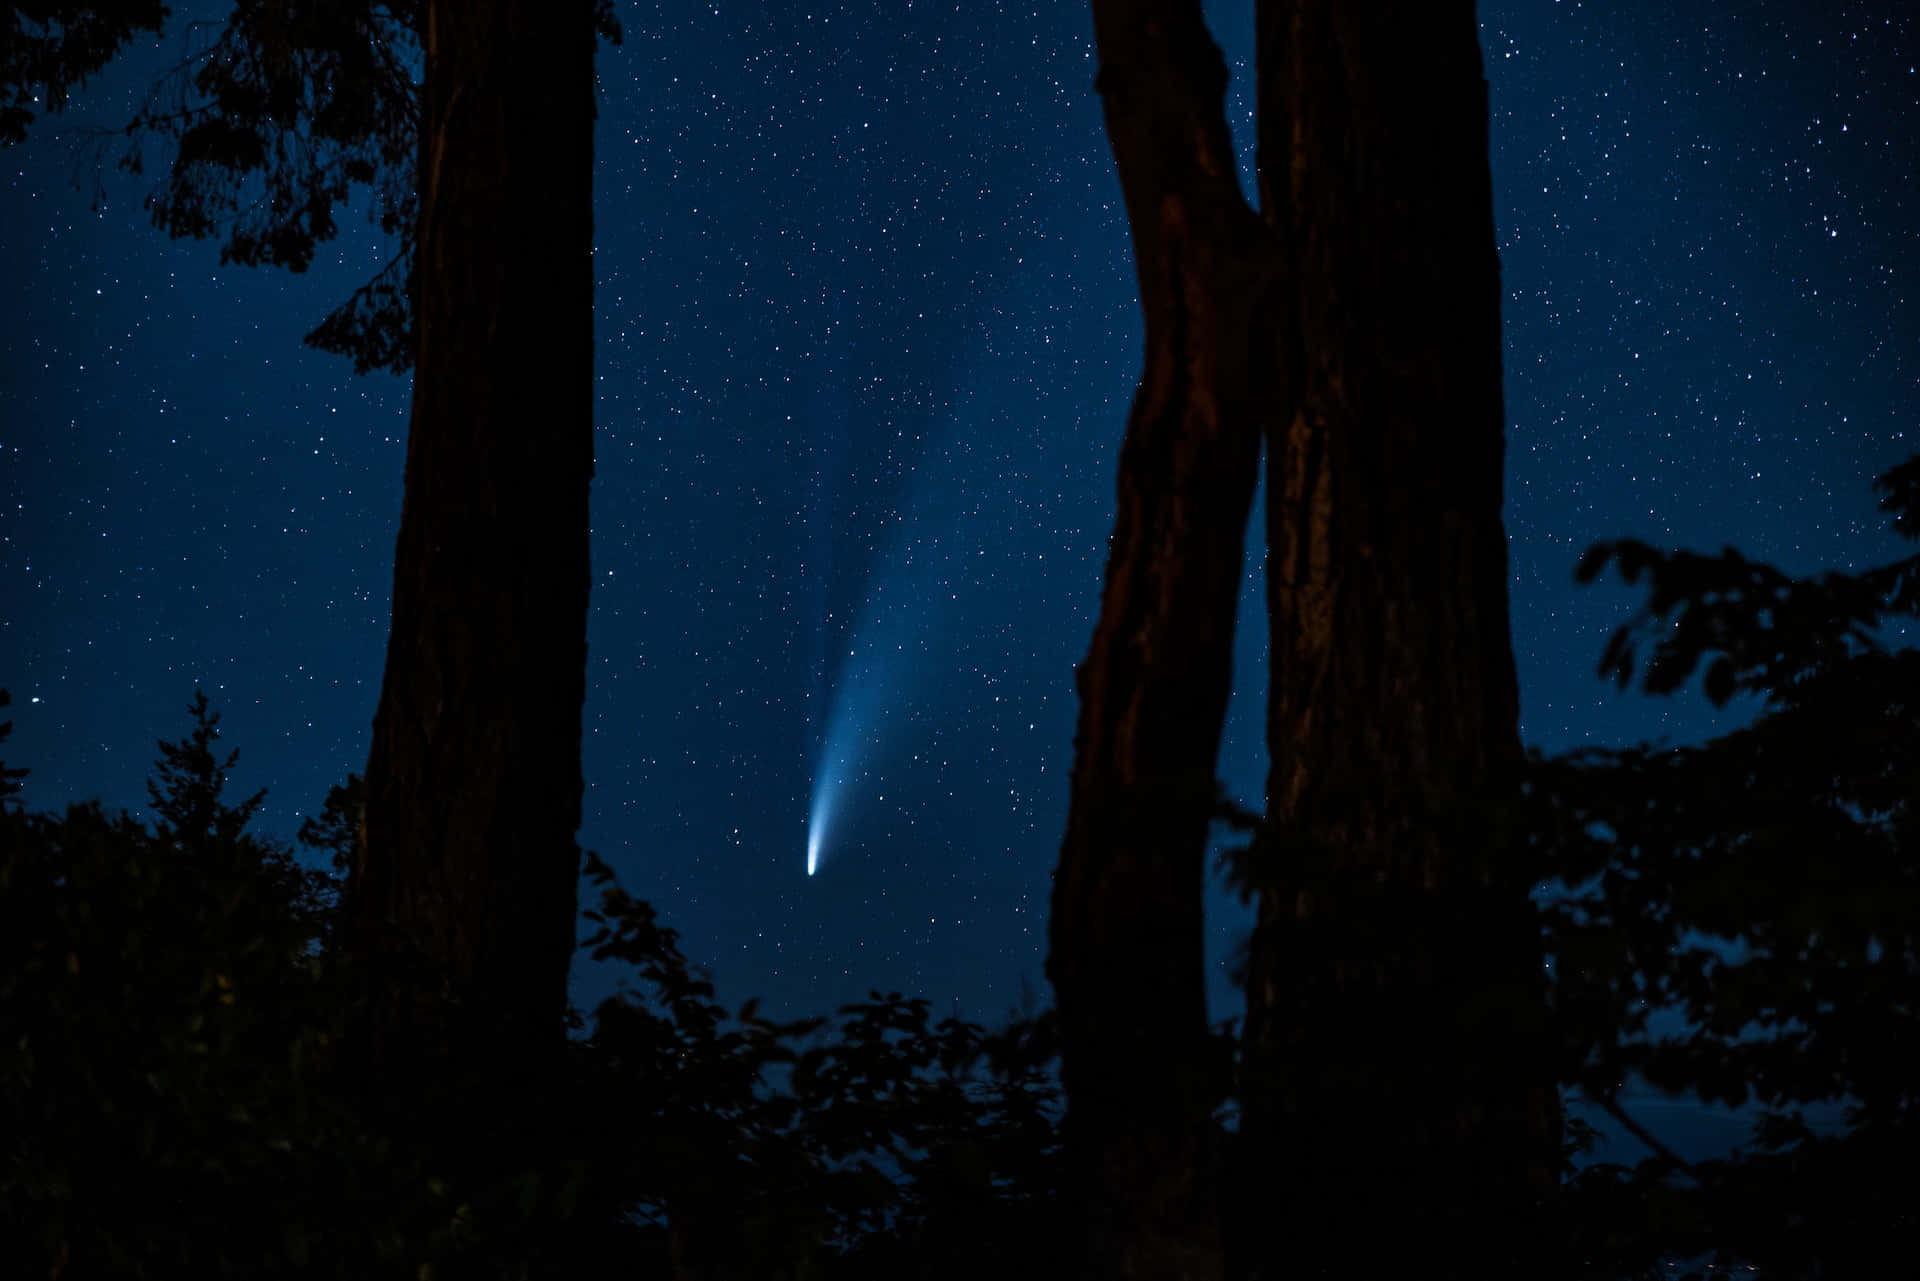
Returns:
<point x="462" y="897"/>
<point x="1401" y="1106"/>
<point x="1126" y="954"/>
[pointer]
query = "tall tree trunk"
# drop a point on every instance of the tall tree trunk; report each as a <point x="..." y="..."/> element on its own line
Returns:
<point x="1401" y="1106"/>
<point x="1126" y="954"/>
<point x="461" y="900"/>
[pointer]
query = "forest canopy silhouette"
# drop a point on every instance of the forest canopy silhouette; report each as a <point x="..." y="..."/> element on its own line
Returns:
<point x="171" y="1002"/>
<point x="222" y="1057"/>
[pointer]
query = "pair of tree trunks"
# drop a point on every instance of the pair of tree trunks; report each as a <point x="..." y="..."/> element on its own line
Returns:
<point x="461" y="901"/>
<point x="1398" y="1101"/>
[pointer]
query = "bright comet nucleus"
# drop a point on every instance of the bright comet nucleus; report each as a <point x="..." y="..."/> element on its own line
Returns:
<point x="817" y="820"/>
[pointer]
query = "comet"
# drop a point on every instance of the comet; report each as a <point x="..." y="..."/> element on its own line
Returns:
<point x="863" y="705"/>
<point x="870" y="674"/>
<point x="857" y="709"/>
<point x="816" y="834"/>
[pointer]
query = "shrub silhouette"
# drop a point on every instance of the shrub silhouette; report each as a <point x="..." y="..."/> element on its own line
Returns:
<point x="168" y="1008"/>
<point x="169" y="1004"/>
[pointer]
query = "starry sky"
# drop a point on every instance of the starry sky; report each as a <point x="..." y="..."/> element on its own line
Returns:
<point x="866" y="340"/>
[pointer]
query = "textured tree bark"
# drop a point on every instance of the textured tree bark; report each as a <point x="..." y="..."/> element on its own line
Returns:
<point x="1396" y="1055"/>
<point x="461" y="899"/>
<point x="1126" y="956"/>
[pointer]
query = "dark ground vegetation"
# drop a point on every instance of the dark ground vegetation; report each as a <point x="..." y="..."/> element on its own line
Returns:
<point x="169" y="1002"/>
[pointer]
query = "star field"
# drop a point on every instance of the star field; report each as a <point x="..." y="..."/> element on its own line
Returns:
<point x="866" y="339"/>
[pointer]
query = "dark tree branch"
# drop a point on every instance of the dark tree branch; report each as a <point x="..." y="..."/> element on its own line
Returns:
<point x="1610" y="1104"/>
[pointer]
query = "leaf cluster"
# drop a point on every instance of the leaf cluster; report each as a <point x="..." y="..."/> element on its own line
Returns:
<point x="1758" y="630"/>
<point x="49" y="48"/>
<point x="846" y="1147"/>
<point x="271" y="122"/>
<point x="1740" y="920"/>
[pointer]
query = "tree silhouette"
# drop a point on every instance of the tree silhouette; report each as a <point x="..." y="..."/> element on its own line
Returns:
<point x="173" y="995"/>
<point x="1396" y="1053"/>
<point x="168" y="1015"/>
<point x="162" y="1013"/>
<point x="461" y="898"/>
<point x="166" y="1106"/>
<point x="268" y="123"/>
<point x="9" y="777"/>
<point x="1125" y="953"/>
<point x="1764" y="885"/>
<point x="465" y="876"/>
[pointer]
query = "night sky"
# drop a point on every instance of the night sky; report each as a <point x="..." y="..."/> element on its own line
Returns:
<point x="866" y="339"/>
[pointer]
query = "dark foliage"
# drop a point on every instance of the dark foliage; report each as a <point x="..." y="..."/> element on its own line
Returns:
<point x="1758" y="630"/>
<point x="167" y="1018"/>
<point x="268" y="125"/>
<point x="1765" y="886"/>
<point x="9" y="778"/>
<point x="163" y="1017"/>
<point x="337" y="827"/>
<point x="48" y="48"/>
<point x="1760" y="892"/>
<point x="168" y="1010"/>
